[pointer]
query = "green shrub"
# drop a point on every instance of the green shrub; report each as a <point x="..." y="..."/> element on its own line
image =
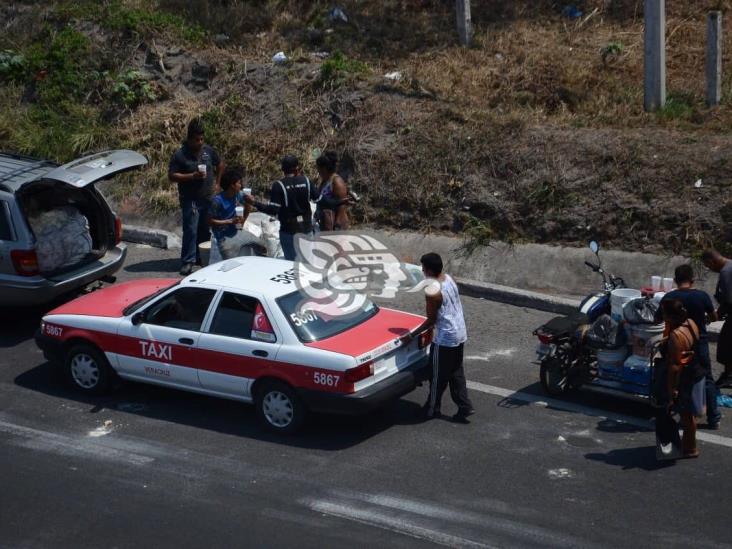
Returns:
<point x="338" y="69"/>
<point x="131" y="89"/>
<point x="13" y="66"/>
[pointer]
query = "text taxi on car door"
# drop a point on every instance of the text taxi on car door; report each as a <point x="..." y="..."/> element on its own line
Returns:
<point x="237" y="330"/>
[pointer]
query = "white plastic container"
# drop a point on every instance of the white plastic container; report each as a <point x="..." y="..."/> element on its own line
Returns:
<point x="610" y="363"/>
<point x="643" y="337"/>
<point x="620" y="297"/>
<point x="657" y="283"/>
<point x="668" y="284"/>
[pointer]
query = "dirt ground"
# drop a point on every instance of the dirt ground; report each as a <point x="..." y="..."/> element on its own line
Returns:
<point x="535" y="134"/>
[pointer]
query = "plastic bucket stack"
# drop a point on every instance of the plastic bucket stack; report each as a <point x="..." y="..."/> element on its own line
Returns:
<point x="618" y="298"/>
<point x="610" y="363"/>
<point x="643" y="337"/>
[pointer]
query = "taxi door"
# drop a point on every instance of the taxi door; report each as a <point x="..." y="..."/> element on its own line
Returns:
<point x="160" y="341"/>
<point x="238" y="346"/>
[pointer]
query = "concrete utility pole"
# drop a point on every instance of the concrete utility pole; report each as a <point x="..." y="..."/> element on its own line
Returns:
<point x="655" y="55"/>
<point x="714" y="58"/>
<point x="464" y="24"/>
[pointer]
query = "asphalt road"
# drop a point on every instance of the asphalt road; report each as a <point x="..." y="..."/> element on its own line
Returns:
<point x="148" y="466"/>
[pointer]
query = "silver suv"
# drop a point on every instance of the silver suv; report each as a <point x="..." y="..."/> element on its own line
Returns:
<point x="35" y="194"/>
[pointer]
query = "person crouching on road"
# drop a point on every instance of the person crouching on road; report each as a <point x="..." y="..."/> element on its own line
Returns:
<point x="192" y="168"/>
<point x="685" y="374"/>
<point x="445" y="315"/>
<point x="289" y="200"/>
<point x="223" y="217"/>
<point x="716" y="262"/>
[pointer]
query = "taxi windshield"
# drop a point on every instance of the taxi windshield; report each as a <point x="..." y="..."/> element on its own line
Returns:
<point x="314" y="325"/>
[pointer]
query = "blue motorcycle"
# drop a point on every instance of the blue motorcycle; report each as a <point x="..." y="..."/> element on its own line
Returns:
<point x="565" y="357"/>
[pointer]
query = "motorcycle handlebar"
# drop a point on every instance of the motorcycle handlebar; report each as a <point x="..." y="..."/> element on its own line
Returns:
<point x="590" y="265"/>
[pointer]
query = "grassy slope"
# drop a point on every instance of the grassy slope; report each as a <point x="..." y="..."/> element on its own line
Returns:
<point x="537" y="133"/>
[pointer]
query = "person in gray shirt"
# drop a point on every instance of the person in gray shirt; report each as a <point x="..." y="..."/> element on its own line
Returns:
<point x="717" y="263"/>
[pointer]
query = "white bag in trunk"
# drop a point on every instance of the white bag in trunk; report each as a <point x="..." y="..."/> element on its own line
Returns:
<point x="62" y="237"/>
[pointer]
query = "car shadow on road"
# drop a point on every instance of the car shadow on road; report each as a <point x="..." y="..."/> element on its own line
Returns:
<point x="643" y="457"/>
<point x="321" y="432"/>
<point x="19" y="325"/>
<point x="171" y="265"/>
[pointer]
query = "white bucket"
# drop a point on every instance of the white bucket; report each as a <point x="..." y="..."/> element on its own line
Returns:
<point x="620" y="297"/>
<point x="643" y="337"/>
<point x="610" y="362"/>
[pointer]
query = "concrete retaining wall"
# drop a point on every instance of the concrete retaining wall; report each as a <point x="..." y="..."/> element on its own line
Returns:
<point x="541" y="268"/>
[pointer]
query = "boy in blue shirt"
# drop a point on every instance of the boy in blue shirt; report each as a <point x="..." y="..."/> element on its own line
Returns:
<point x="223" y="219"/>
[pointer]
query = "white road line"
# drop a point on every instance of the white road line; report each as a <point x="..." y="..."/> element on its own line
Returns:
<point x="585" y="410"/>
<point x="388" y="521"/>
<point x="487" y="357"/>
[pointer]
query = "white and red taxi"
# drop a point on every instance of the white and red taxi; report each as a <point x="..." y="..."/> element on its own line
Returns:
<point x="234" y="330"/>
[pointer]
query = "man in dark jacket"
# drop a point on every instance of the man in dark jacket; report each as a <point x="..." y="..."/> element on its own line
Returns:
<point x="289" y="200"/>
<point x="193" y="167"/>
<point x="716" y="262"/>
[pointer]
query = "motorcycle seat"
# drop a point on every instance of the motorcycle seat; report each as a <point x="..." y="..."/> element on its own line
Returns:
<point x="565" y="325"/>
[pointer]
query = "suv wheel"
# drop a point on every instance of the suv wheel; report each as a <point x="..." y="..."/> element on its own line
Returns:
<point x="88" y="369"/>
<point x="279" y="408"/>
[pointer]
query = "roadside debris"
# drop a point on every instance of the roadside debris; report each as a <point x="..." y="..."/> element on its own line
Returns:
<point x="279" y="58"/>
<point x="394" y="75"/>
<point x="338" y="15"/>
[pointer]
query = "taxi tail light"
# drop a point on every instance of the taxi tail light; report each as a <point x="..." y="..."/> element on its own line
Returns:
<point x="25" y="262"/>
<point x="424" y="339"/>
<point x="358" y="373"/>
<point x="117" y="230"/>
<point x="262" y="327"/>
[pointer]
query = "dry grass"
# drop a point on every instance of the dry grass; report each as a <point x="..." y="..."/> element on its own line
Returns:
<point x="536" y="133"/>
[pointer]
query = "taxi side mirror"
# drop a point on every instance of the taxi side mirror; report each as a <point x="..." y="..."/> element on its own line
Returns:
<point x="137" y="319"/>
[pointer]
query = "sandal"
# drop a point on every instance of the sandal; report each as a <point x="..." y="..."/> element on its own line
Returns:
<point x="690" y="455"/>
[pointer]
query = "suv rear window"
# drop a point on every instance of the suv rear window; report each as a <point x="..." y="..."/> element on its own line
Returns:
<point x="312" y="325"/>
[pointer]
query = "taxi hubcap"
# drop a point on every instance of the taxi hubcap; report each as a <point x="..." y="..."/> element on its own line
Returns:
<point x="277" y="408"/>
<point x="84" y="370"/>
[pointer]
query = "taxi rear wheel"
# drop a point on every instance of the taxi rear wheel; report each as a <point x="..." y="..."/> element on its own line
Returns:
<point x="88" y="369"/>
<point x="279" y="408"/>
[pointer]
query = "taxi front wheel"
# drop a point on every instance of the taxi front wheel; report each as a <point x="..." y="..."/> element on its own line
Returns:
<point x="279" y="408"/>
<point x="88" y="369"/>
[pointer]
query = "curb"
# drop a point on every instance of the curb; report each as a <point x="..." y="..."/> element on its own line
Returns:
<point x="472" y="288"/>
<point x="152" y="237"/>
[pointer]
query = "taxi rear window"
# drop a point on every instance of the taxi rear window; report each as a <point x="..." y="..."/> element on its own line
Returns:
<point x="310" y="325"/>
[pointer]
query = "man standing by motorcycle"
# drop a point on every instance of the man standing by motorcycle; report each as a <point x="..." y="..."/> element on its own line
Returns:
<point x="716" y="262"/>
<point x="700" y="309"/>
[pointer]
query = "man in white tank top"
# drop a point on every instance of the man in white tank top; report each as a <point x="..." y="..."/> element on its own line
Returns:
<point x="445" y="316"/>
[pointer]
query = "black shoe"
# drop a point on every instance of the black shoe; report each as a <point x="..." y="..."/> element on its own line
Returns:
<point x="713" y="426"/>
<point x="466" y="413"/>
<point x="427" y="415"/>
<point x="186" y="269"/>
<point x="461" y="418"/>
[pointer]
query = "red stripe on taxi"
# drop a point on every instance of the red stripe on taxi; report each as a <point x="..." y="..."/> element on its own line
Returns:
<point x="297" y="375"/>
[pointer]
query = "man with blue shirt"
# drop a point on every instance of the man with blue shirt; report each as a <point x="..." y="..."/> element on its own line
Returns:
<point x="700" y="309"/>
<point x="193" y="167"/>
<point x="222" y="217"/>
